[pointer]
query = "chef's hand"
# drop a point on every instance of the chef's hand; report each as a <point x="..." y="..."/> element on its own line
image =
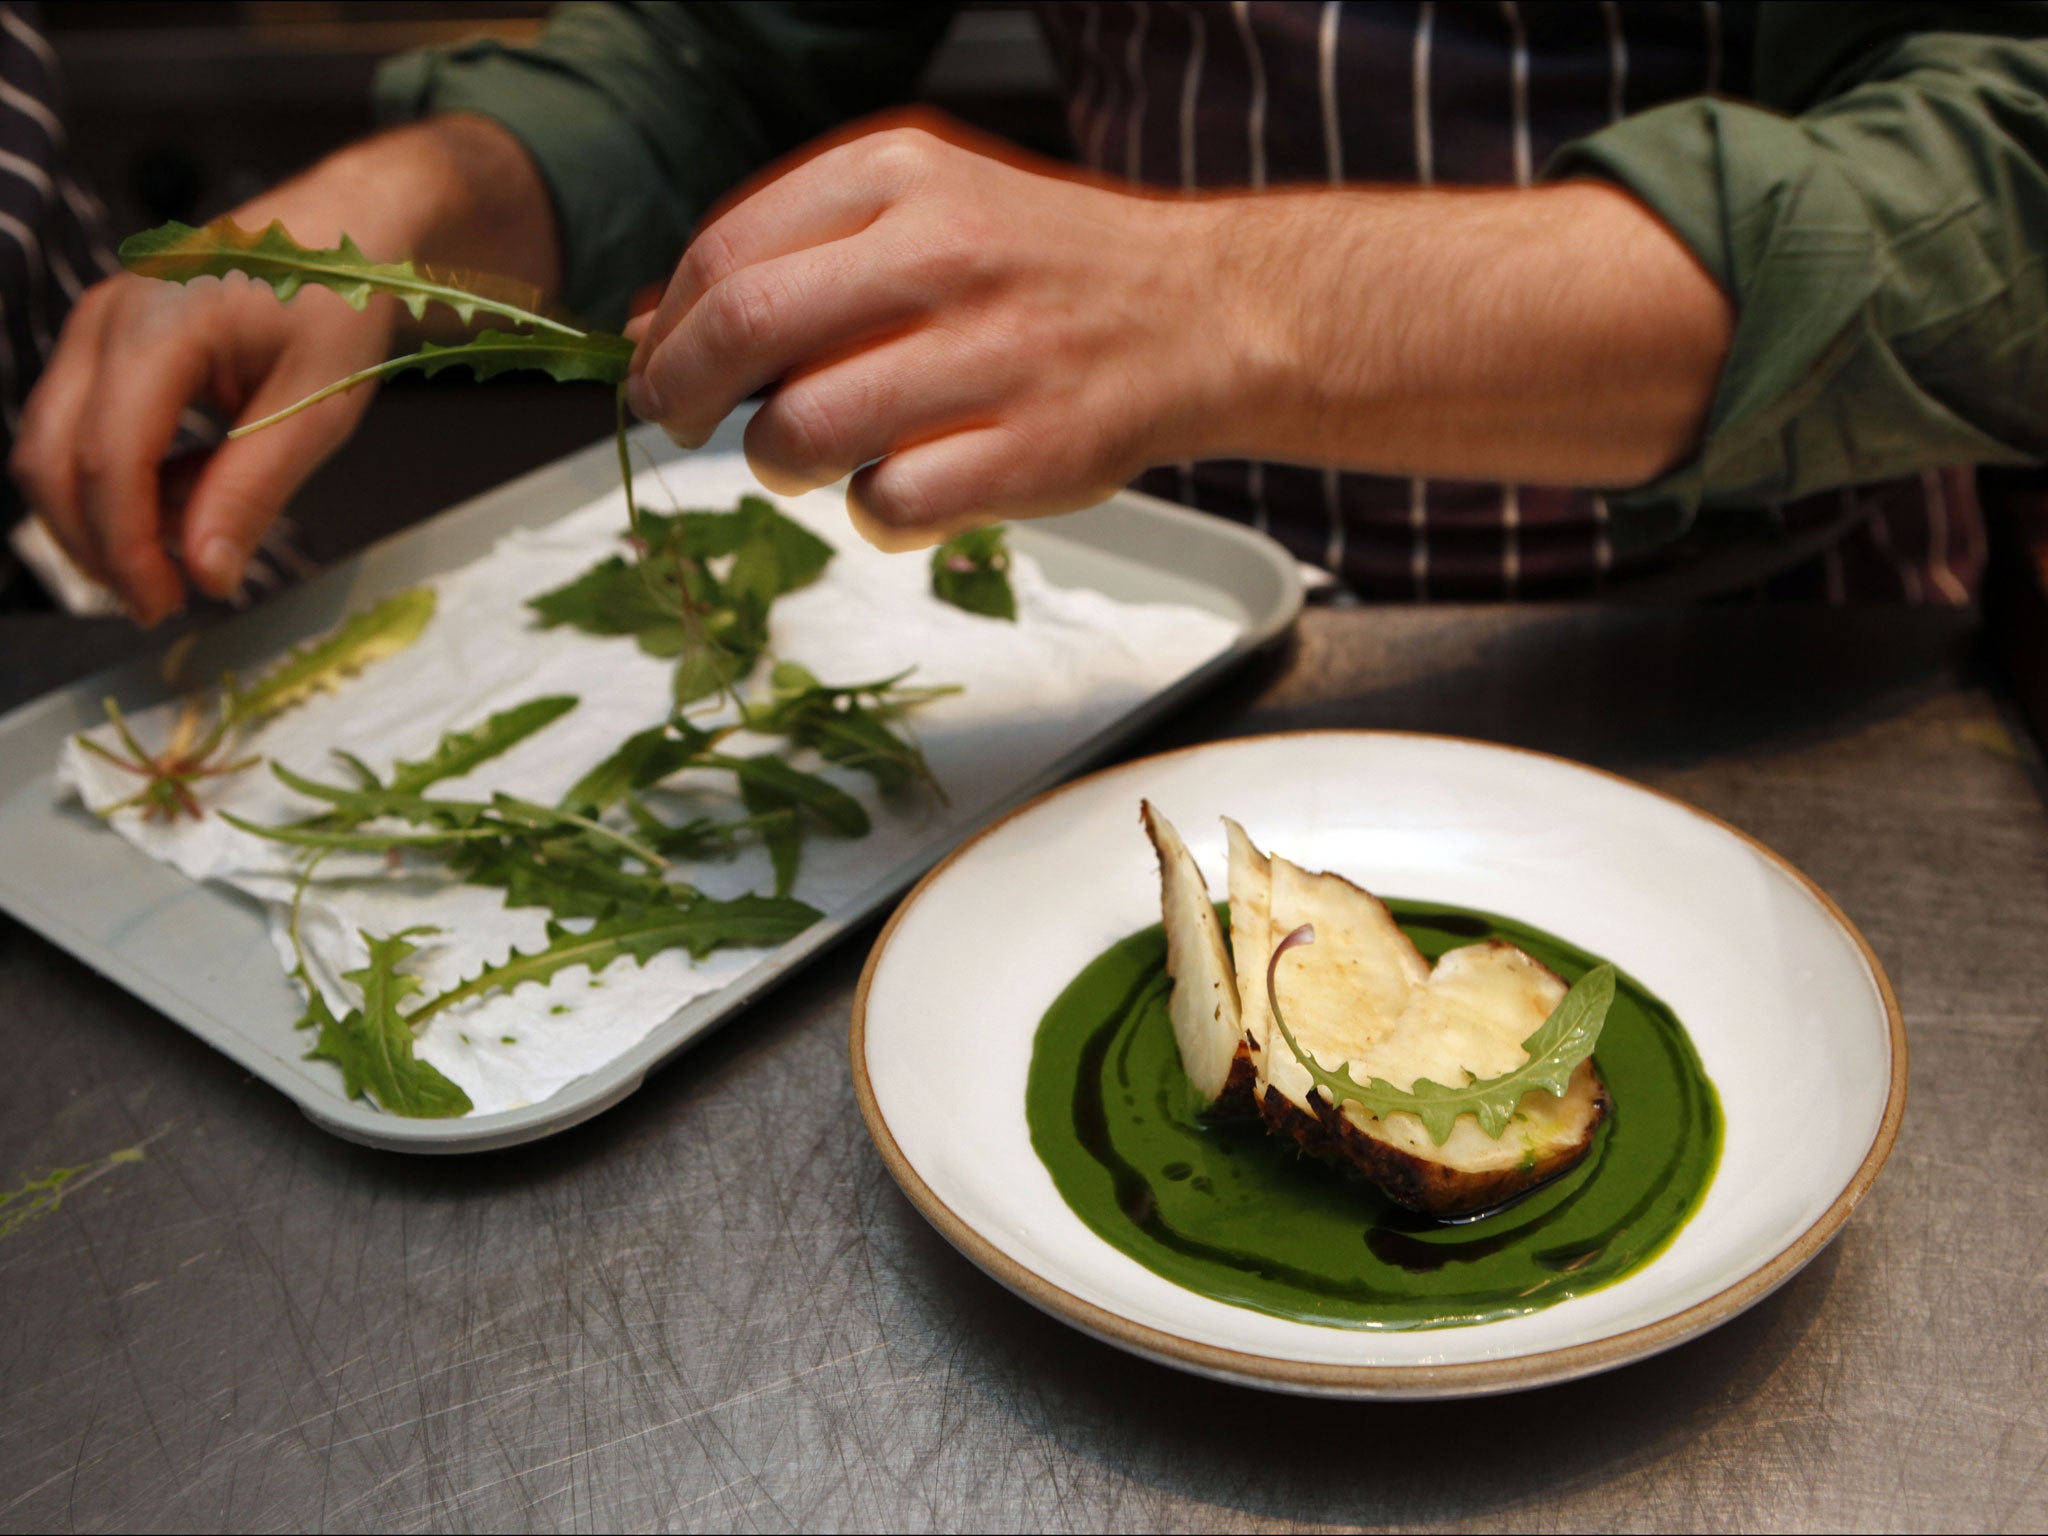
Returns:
<point x="135" y="352"/>
<point x="989" y="341"/>
<point x="993" y="341"/>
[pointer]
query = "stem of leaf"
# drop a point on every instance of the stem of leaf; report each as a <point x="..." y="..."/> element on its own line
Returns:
<point x="626" y="463"/>
<point x="339" y="386"/>
<point x="640" y="851"/>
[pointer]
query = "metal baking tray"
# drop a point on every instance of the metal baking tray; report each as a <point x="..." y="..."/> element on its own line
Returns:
<point x="201" y="953"/>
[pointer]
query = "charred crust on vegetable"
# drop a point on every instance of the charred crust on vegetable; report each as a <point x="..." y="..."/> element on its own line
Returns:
<point x="1238" y="1099"/>
<point x="1429" y="1188"/>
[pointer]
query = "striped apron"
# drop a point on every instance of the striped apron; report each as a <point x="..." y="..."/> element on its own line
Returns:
<point x="52" y="232"/>
<point x="1457" y="92"/>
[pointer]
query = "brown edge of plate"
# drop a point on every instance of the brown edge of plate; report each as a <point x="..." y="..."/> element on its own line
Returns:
<point x="1470" y="1378"/>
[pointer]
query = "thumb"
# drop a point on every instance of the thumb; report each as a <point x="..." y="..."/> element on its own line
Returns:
<point x="247" y="482"/>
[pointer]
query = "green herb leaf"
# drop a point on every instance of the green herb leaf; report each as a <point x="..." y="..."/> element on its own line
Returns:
<point x="778" y="795"/>
<point x="824" y="800"/>
<point x="1555" y="1050"/>
<point x="972" y="571"/>
<point x="778" y="555"/>
<point x="849" y="726"/>
<point x="452" y="821"/>
<point x="673" y="604"/>
<point x="641" y="761"/>
<point x="569" y="879"/>
<point x="179" y="253"/>
<point x="348" y="840"/>
<point x="461" y="752"/>
<point x="614" y="597"/>
<point x="773" y="553"/>
<point x="701" y="837"/>
<point x="696" y="535"/>
<point x="362" y="638"/>
<point x="373" y="1044"/>
<point x="564" y="358"/>
<point x="699" y="926"/>
<point x="781" y="832"/>
<point x="711" y="668"/>
<point x="354" y="806"/>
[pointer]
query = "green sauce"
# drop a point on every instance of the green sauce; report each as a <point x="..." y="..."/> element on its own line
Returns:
<point x="1233" y="1213"/>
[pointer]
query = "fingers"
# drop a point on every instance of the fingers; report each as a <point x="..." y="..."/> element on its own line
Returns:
<point x="829" y="422"/>
<point x="926" y="494"/>
<point x="240" y="493"/>
<point x="829" y="197"/>
<point x="44" y="461"/>
<point x="90" y="449"/>
<point x="121" y="437"/>
<point x="247" y="481"/>
<point x="769" y="319"/>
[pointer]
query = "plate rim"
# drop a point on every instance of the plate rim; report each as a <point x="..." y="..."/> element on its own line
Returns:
<point x="1461" y="1378"/>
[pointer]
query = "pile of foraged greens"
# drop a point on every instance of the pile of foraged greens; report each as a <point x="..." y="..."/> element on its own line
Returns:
<point x="697" y="586"/>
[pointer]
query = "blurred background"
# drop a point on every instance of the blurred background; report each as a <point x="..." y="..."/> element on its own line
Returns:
<point x="183" y="108"/>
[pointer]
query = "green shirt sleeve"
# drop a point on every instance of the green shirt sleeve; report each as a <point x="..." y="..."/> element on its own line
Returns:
<point x="640" y="116"/>
<point x="1879" y="215"/>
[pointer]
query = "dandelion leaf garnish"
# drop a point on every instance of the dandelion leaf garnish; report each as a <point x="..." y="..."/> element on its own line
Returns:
<point x="850" y="726"/>
<point x="832" y="807"/>
<point x="699" y="925"/>
<point x="972" y="572"/>
<point x="673" y="603"/>
<point x="323" y="664"/>
<point x="782" y="799"/>
<point x="373" y="1044"/>
<point x="567" y="359"/>
<point x="1555" y="1050"/>
<point x="461" y="752"/>
<point x="179" y="253"/>
<point x="641" y="761"/>
<point x="199" y="748"/>
<point x="569" y="880"/>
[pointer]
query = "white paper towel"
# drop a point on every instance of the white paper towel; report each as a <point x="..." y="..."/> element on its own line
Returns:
<point x="1073" y="662"/>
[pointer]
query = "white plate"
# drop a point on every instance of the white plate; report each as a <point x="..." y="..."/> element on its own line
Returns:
<point x="1789" y="1009"/>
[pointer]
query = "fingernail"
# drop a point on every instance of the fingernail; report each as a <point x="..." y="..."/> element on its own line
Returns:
<point x="221" y="563"/>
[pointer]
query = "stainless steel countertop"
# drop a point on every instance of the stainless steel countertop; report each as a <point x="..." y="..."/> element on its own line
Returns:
<point x="710" y="1307"/>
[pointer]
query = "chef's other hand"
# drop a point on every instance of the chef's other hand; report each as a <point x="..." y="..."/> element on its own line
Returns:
<point x="978" y="339"/>
<point x="133" y="355"/>
<point x="135" y="352"/>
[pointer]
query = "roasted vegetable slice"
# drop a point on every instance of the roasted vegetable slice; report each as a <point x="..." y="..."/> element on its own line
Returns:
<point x="1363" y="999"/>
<point x="1251" y="936"/>
<point x="1206" y="1018"/>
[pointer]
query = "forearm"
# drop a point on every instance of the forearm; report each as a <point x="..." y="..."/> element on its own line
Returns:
<point x="1882" y="247"/>
<point x="1560" y="335"/>
<point x="455" y="191"/>
<point x="972" y="337"/>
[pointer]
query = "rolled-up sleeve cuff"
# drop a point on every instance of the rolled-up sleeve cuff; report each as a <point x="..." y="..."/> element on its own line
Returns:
<point x="1669" y="160"/>
<point x="621" y="223"/>
<point x="1798" y="221"/>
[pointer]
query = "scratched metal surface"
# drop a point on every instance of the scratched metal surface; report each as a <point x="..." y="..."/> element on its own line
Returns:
<point x="710" y="1308"/>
